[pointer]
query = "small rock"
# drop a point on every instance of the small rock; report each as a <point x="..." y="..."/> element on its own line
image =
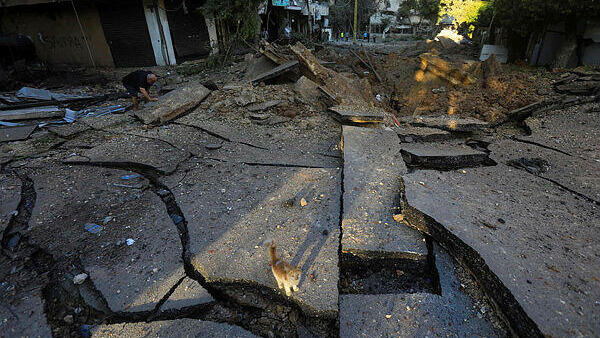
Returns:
<point x="162" y="192"/>
<point x="77" y="310"/>
<point x="388" y="316"/>
<point x="399" y="218"/>
<point x="80" y="278"/>
<point x="130" y="241"/>
<point x="68" y="319"/>
<point x="303" y="202"/>
<point x="213" y="146"/>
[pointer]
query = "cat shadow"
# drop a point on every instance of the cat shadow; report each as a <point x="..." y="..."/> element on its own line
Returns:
<point x="316" y="244"/>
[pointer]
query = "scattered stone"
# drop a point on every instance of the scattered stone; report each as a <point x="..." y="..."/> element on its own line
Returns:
<point x="213" y="146"/>
<point x="80" y="278"/>
<point x="263" y="106"/>
<point x="442" y="156"/>
<point x="69" y="130"/>
<point x="259" y="116"/>
<point x="446" y="123"/>
<point x="372" y="170"/>
<point x="68" y="319"/>
<point x="173" y="104"/>
<point x="357" y="114"/>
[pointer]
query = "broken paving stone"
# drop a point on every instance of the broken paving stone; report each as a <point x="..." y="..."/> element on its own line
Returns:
<point x="173" y="104"/>
<point x="133" y="149"/>
<point x="358" y="114"/>
<point x="68" y="130"/>
<point x="232" y="209"/>
<point x="177" y="327"/>
<point x="80" y="278"/>
<point x="307" y="89"/>
<point x="25" y="318"/>
<point x="10" y="197"/>
<point x="188" y="293"/>
<point x="453" y="313"/>
<point x="263" y="106"/>
<point x="70" y="195"/>
<point x="260" y="116"/>
<point x="526" y="265"/>
<point x="446" y="123"/>
<point x="31" y="113"/>
<point x="16" y="133"/>
<point x="372" y="169"/>
<point x="411" y="134"/>
<point x="276" y="72"/>
<point x="443" y="156"/>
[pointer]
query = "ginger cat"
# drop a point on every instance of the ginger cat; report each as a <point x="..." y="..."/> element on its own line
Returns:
<point x="287" y="276"/>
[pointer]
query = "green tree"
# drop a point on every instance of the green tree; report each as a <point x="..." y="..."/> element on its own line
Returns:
<point x="425" y="9"/>
<point x="464" y="11"/>
<point x="235" y="18"/>
<point x="531" y="16"/>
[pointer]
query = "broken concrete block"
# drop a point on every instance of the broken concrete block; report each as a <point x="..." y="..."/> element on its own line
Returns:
<point x="275" y="72"/>
<point x="307" y="89"/>
<point x="31" y="113"/>
<point x="358" y="114"/>
<point x="526" y="241"/>
<point x="443" y="156"/>
<point x="173" y="104"/>
<point x="372" y="170"/>
<point x="446" y="123"/>
<point x="410" y="134"/>
<point x="177" y="327"/>
<point x="16" y="133"/>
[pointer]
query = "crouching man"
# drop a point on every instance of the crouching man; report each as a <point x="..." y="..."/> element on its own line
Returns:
<point x="139" y="81"/>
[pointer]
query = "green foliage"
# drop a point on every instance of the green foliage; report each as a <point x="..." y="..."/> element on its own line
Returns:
<point x="341" y="15"/>
<point x="239" y="15"/>
<point x="525" y="16"/>
<point x="464" y="11"/>
<point x="427" y="9"/>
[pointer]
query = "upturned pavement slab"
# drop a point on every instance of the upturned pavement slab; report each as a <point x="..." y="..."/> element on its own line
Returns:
<point x="10" y="197"/>
<point x="171" y="328"/>
<point x="357" y="114"/>
<point x="25" y="318"/>
<point x="16" y="133"/>
<point x="453" y="313"/>
<point x="372" y="170"/>
<point x="448" y="123"/>
<point x="574" y="130"/>
<point x="126" y="150"/>
<point x="409" y="134"/>
<point x="448" y="155"/>
<point x="69" y="130"/>
<point x="532" y="246"/>
<point x="132" y="277"/>
<point x="233" y="210"/>
<point x="173" y="104"/>
<point x="188" y="293"/>
<point x="572" y="172"/>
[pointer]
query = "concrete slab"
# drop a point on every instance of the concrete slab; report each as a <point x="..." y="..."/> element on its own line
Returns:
<point x="25" y="319"/>
<point x="454" y="313"/>
<point x="10" y="197"/>
<point x="31" y="113"/>
<point x="233" y="209"/>
<point x="409" y="134"/>
<point x="126" y="149"/>
<point x="109" y="121"/>
<point x="531" y="246"/>
<point x="16" y="133"/>
<point x="372" y="170"/>
<point x="275" y="72"/>
<point x="131" y="277"/>
<point x="446" y="123"/>
<point x="188" y="293"/>
<point x="69" y="130"/>
<point x="357" y="114"/>
<point x="572" y="172"/>
<point x="171" y="328"/>
<point x="573" y="130"/>
<point x="173" y="104"/>
<point x="442" y="155"/>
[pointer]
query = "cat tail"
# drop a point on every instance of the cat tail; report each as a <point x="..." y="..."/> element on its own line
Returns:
<point x="272" y="251"/>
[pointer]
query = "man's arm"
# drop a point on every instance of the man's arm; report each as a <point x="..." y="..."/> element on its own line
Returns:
<point x="146" y="95"/>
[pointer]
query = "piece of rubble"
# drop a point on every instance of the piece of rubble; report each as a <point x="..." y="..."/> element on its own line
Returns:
<point x="10" y="197"/>
<point x="188" y="293"/>
<point x="68" y="130"/>
<point x="31" y="113"/>
<point x="26" y="318"/>
<point x="275" y="72"/>
<point x="443" y="155"/>
<point x="173" y="104"/>
<point x="263" y="105"/>
<point x="16" y="133"/>
<point x="178" y="327"/>
<point x="70" y="196"/>
<point x="307" y="89"/>
<point x="452" y="313"/>
<point x="445" y="70"/>
<point x="421" y="134"/>
<point x="527" y="242"/>
<point x="446" y="123"/>
<point x="233" y="209"/>
<point x="358" y="114"/>
<point x="500" y="53"/>
<point x="372" y="170"/>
